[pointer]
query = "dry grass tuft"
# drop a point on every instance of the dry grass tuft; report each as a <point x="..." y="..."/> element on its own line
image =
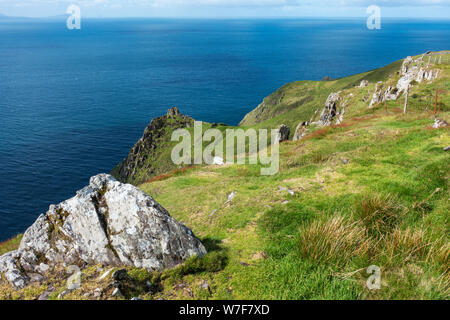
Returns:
<point x="335" y="240"/>
<point x="414" y="244"/>
<point x="379" y="213"/>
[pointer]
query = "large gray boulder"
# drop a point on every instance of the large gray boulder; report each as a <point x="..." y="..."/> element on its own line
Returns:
<point x="107" y="223"/>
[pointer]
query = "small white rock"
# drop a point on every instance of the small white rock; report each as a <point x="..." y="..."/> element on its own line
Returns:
<point x="231" y="196"/>
<point x="97" y="293"/>
<point x="117" y="293"/>
<point x="104" y="275"/>
<point x="218" y="161"/>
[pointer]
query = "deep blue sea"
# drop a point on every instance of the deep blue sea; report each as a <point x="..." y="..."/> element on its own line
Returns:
<point x="72" y="103"/>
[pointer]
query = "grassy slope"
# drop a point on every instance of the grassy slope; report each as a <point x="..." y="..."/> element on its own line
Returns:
<point x="396" y="166"/>
<point x="388" y="206"/>
<point x="299" y="100"/>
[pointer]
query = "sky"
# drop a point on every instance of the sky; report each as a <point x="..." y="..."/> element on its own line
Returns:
<point x="228" y="8"/>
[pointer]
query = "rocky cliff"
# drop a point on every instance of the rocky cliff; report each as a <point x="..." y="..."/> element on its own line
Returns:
<point x="150" y="156"/>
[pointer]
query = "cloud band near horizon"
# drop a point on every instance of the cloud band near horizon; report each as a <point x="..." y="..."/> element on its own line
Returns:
<point x="419" y="8"/>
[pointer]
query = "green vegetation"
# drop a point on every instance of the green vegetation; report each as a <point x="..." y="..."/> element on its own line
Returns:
<point x="387" y="207"/>
<point x="10" y="245"/>
<point x="371" y="191"/>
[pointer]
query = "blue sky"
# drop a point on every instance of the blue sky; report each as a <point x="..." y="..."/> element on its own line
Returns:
<point x="228" y="8"/>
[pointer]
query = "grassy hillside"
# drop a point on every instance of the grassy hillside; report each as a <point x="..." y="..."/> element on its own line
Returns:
<point x="373" y="190"/>
<point x="299" y="100"/>
<point x="387" y="207"/>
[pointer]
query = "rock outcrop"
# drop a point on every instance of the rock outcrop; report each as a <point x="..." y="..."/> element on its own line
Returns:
<point x="378" y="95"/>
<point x="330" y="110"/>
<point x="107" y="223"/>
<point x="413" y="70"/>
<point x="439" y="123"/>
<point x="283" y="133"/>
<point x="300" y="131"/>
<point x="149" y="156"/>
<point x="364" y="83"/>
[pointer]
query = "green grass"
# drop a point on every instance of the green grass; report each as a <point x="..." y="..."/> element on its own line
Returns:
<point x="10" y="245"/>
<point x="387" y="205"/>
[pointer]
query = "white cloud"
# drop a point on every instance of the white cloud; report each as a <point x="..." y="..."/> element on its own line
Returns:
<point x="429" y="8"/>
<point x="242" y="3"/>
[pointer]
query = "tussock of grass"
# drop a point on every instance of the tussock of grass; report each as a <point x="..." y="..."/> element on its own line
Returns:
<point x="335" y="240"/>
<point x="379" y="213"/>
<point x="386" y="205"/>
<point x="414" y="245"/>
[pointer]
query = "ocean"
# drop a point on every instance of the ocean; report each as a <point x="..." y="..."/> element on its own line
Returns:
<point x="73" y="102"/>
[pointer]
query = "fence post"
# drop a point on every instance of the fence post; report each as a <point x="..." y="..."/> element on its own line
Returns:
<point x="406" y="99"/>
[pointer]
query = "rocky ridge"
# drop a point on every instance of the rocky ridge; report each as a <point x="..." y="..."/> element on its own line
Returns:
<point x="147" y="157"/>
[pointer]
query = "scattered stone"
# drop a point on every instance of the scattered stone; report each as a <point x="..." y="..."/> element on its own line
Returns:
<point x="282" y="188"/>
<point x="136" y="299"/>
<point x="291" y="192"/>
<point x="447" y="148"/>
<point x="345" y="161"/>
<point x="364" y="83"/>
<point x="438" y="123"/>
<point x="283" y="133"/>
<point x="285" y="202"/>
<point x="106" y="223"/>
<point x="231" y="197"/>
<point x="64" y="293"/>
<point x="205" y="286"/>
<point x="97" y="293"/>
<point x="213" y="212"/>
<point x="44" y="296"/>
<point x="87" y="294"/>
<point x="104" y="275"/>
<point x="116" y="293"/>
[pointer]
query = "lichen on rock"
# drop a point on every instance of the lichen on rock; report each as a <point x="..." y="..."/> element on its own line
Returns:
<point x="107" y="223"/>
